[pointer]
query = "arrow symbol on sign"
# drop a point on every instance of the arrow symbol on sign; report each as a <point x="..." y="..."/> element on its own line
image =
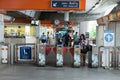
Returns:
<point x="54" y="4"/>
<point x="109" y="38"/>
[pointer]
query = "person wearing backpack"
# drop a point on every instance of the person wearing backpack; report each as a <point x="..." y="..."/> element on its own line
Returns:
<point x="43" y="38"/>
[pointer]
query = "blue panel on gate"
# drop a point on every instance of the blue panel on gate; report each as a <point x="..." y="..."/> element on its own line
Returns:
<point x="25" y="52"/>
<point x="65" y="4"/>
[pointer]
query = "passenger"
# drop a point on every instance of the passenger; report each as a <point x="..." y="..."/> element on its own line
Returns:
<point x="59" y="38"/>
<point x="43" y="38"/>
<point x="76" y="39"/>
<point x="48" y="38"/>
<point x="83" y="49"/>
<point x="71" y="33"/>
<point x="67" y="39"/>
<point x="89" y="48"/>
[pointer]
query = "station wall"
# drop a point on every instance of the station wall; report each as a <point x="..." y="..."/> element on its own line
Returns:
<point x="15" y="28"/>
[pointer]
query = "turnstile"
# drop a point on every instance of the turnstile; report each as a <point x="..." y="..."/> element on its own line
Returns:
<point x="59" y="55"/>
<point x="94" y="56"/>
<point x="25" y="53"/>
<point x="118" y="57"/>
<point x="76" y="56"/>
<point x="5" y="53"/>
<point x="106" y="57"/>
<point x="41" y="56"/>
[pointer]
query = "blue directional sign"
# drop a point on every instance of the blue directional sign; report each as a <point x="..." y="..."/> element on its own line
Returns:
<point x="65" y="4"/>
<point x="108" y="38"/>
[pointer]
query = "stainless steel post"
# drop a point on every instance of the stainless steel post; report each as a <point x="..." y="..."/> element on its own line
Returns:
<point x="12" y="54"/>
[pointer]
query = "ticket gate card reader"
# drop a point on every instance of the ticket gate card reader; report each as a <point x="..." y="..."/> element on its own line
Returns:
<point x="77" y="56"/>
<point x="41" y="56"/>
<point x="59" y="55"/>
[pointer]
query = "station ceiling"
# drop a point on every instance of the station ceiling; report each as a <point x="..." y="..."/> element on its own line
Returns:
<point x="94" y="9"/>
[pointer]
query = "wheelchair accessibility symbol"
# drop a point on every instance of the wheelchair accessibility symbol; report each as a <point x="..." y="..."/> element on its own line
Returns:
<point x="108" y="37"/>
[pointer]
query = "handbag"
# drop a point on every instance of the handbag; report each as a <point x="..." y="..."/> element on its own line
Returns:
<point x="84" y="50"/>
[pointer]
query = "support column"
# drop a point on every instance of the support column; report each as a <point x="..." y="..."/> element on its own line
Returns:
<point x="66" y="16"/>
<point x="100" y="36"/>
<point x="1" y="28"/>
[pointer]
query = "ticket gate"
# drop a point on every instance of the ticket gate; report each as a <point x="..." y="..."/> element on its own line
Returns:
<point x="94" y="56"/>
<point x="41" y="57"/>
<point x="25" y="53"/>
<point x="118" y="57"/>
<point x="59" y="55"/>
<point x="67" y="57"/>
<point x="76" y="56"/>
<point x="106" y="57"/>
<point x="5" y="53"/>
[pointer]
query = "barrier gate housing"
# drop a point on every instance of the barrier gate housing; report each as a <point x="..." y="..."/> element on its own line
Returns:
<point x="118" y="57"/>
<point x="107" y="57"/>
<point x="59" y="55"/>
<point x="5" y="53"/>
<point x="25" y="53"/>
<point x="41" y="56"/>
<point x="76" y="55"/>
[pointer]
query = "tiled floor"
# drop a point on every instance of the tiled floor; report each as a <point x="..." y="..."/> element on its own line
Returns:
<point x="32" y="72"/>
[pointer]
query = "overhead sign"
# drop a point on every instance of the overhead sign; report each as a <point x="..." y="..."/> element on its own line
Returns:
<point x="65" y="4"/>
<point x="66" y="23"/>
<point x="108" y="38"/>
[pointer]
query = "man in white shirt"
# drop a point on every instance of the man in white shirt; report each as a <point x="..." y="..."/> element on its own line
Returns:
<point x="43" y="38"/>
